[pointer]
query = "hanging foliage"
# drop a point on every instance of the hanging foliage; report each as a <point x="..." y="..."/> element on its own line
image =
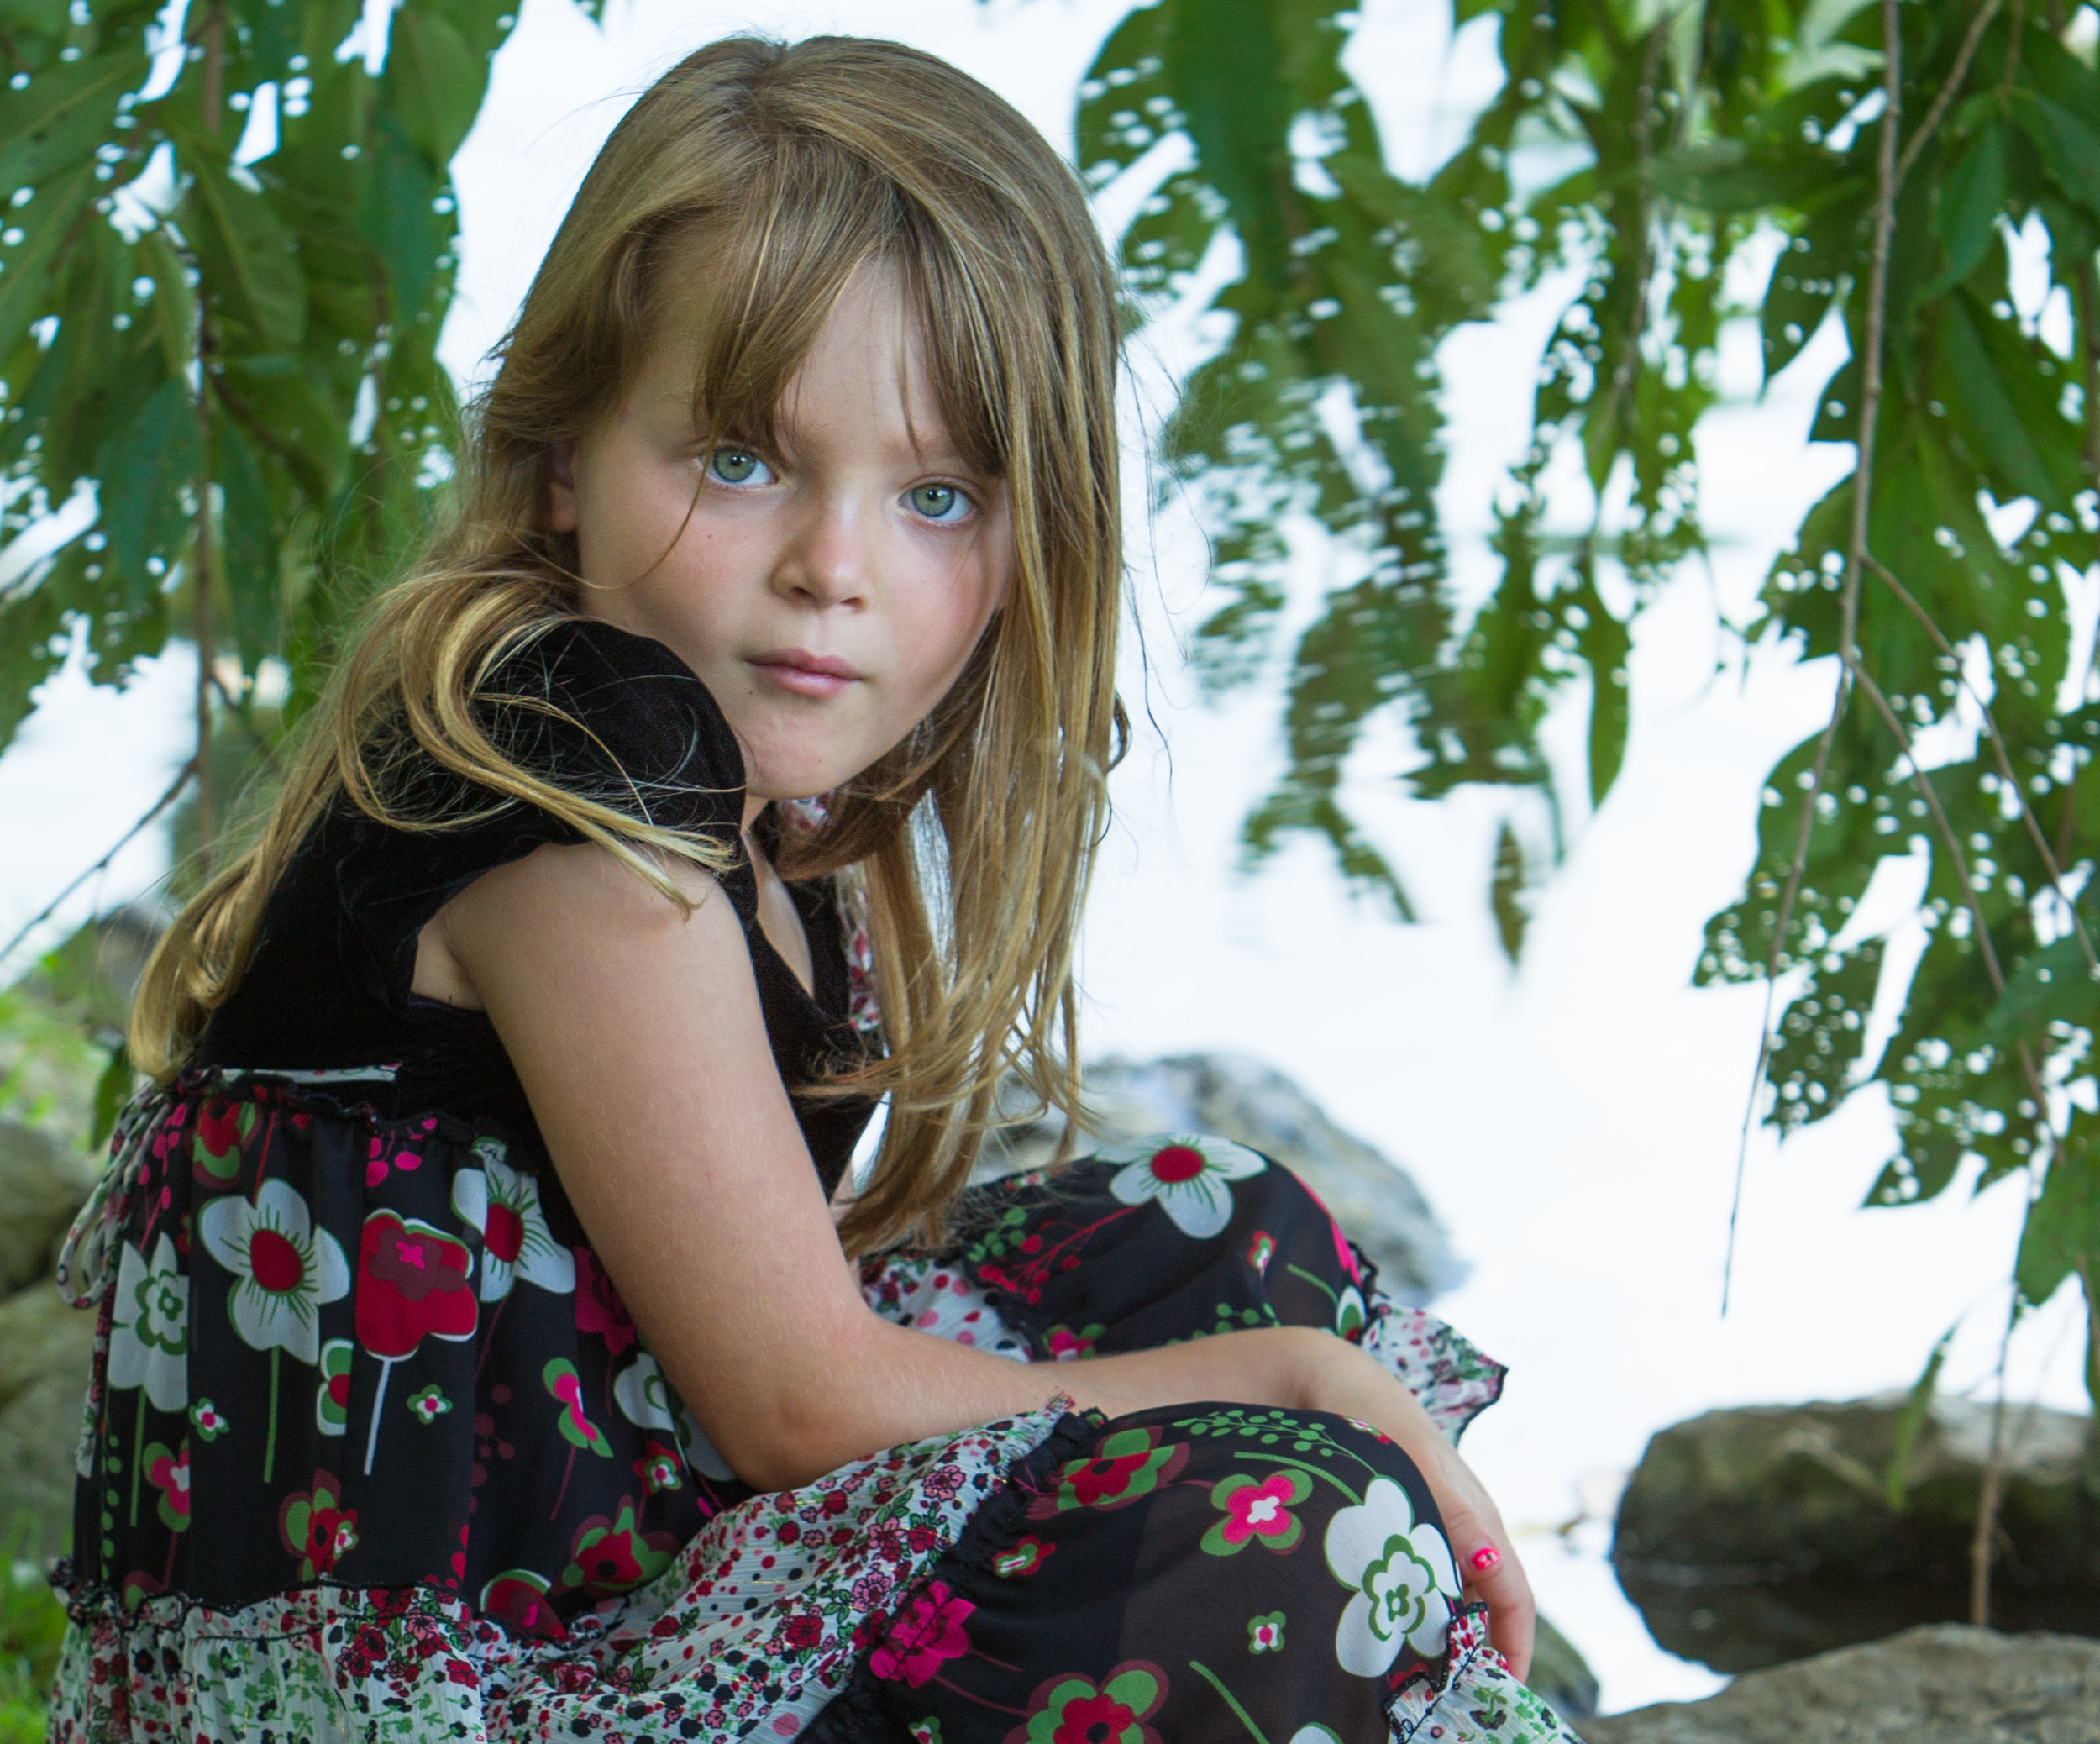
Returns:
<point x="1899" y="164"/>
<point x="229" y="252"/>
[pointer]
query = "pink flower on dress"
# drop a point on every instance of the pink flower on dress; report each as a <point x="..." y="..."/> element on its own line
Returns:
<point x="928" y="1634"/>
<point x="599" y="1308"/>
<point x="1258" y="1512"/>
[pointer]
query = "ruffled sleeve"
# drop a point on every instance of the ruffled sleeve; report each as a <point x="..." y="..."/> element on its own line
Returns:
<point x="612" y="717"/>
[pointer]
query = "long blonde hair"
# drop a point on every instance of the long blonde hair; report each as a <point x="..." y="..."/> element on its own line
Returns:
<point x="784" y="170"/>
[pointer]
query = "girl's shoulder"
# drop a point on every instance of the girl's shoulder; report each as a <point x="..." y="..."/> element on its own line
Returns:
<point x="581" y="711"/>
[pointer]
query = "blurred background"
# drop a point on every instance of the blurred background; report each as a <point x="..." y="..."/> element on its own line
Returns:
<point x="1488" y="586"/>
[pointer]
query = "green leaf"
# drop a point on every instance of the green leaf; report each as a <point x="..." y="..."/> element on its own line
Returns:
<point x="2068" y="146"/>
<point x="1821" y="1036"/>
<point x="1604" y="644"/>
<point x="1224" y="65"/>
<point x="1971" y="198"/>
<point x="1988" y="409"/>
<point x="62" y="114"/>
<point x="434" y="82"/>
<point x="174" y="301"/>
<point x="248" y="546"/>
<point x="40" y="18"/>
<point x="2062" y="1234"/>
<point x="1806" y="277"/>
<point x="397" y="221"/>
<point x="283" y="413"/>
<point x="252" y="282"/>
<point x="146" y="469"/>
<point x="1916" y="1409"/>
<point x="1113" y="129"/>
<point x="26" y="287"/>
<point x="2053" y="985"/>
<point x="1506" y="893"/>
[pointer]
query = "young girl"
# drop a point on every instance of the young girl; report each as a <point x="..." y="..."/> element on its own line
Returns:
<point x="479" y="1353"/>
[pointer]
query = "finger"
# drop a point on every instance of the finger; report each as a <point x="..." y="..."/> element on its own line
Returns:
<point x="1493" y="1572"/>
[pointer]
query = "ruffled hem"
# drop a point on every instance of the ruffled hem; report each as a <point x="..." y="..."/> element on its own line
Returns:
<point x="758" y="1625"/>
<point x="1480" y="1699"/>
<point x="853" y="1717"/>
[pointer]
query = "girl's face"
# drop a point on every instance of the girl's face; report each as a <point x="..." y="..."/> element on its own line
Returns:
<point x="827" y="595"/>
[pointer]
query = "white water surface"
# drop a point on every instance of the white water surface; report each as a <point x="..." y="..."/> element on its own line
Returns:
<point x="1575" y="1122"/>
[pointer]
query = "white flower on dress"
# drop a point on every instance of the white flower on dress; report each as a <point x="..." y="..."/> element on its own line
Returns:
<point x="503" y="1205"/>
<point x="150" y="1326"/>
<point x="284" y="1267"/>
<point x="1403" y="1577"/>
<point x="1187" y="1175"/>
<point x="700" y="1453"/>
<point x="643" y="1396"/>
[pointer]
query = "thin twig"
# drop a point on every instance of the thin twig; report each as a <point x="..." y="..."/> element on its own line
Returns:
<point x="1848" y="616"/>
<point x="1983" y="1544"/>
<point x="2012" y="50"/>
<point x="2005" y="760"/>
<point x="122" y="841"/>
<point x="1956" y="75"/>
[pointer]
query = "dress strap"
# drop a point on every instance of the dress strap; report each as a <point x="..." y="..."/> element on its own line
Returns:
<point x="85" y="1258"/>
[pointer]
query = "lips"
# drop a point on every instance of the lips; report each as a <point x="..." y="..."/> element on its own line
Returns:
<point x="803" y="673"/>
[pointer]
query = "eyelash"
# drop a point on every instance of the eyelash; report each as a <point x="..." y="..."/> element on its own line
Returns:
<point x="708" y="465"/>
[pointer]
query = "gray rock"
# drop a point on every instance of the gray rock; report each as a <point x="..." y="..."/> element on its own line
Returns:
<point x="1241" y="1098"/>
<point x="46" y="1350"/>
<point x="1751" y="1536"/>
<point x="42" y="1184"/>
<point x="1560" y="1674"/>
<point x="1944" y="1683"/>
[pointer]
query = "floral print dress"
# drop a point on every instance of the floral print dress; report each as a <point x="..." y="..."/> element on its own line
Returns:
<point x="373" y="1450"/>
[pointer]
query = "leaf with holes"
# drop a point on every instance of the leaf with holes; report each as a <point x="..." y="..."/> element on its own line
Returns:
<point x="2062" y="1235"/>
<point x="1817" y="1048"/>
<point x="252" y="282"/>
<point x="62" y="114"/>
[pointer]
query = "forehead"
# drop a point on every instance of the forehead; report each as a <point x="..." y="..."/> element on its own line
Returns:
<point x="857" y="363"/>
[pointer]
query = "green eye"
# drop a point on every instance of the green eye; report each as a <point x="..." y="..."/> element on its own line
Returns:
<point x="938" y="502"/>
<point x="734" y="466"/>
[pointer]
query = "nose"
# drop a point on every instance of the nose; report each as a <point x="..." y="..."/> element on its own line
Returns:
<point x="824" y="562"/>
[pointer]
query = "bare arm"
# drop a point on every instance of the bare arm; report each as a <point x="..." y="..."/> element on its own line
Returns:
<point x="639" y="1036"/>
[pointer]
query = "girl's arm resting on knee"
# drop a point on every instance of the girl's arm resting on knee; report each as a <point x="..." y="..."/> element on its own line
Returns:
<point x="637" y="1034"/>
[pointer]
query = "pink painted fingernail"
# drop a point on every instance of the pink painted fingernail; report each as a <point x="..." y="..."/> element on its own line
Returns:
<point x="1485" y="1559"/>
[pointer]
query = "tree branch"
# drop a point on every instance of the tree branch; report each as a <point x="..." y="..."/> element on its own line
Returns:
<point x="122" y="841"/>
<point x="1848" y="616"/>
<point x="1955" y="77"/>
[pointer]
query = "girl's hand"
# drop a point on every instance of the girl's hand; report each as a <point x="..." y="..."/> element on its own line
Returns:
<point x="1347" y="1381"/>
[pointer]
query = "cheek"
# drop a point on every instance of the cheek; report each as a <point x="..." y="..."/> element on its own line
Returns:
<point x="951" y="622"/>
<point x="631" y="521"/>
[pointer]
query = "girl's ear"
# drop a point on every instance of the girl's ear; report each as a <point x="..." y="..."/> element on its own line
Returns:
<point x="561" y="486"/>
